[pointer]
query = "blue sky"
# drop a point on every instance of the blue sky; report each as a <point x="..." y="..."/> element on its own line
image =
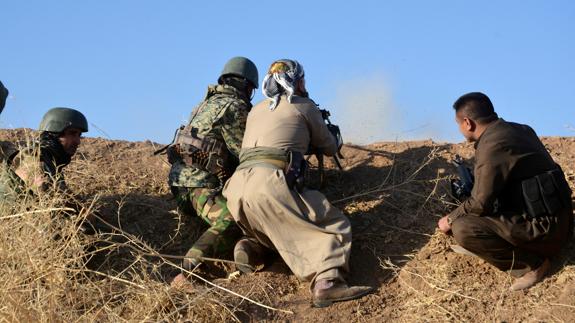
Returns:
<point x="387" y="69"/>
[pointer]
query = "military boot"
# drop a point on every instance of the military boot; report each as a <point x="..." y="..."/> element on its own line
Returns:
<point x="249" y="256"/>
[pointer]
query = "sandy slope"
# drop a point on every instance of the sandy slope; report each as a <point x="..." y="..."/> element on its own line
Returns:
<point x="394" y="193"/>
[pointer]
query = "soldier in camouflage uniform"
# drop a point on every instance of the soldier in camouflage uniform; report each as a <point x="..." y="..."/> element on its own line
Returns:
<point x="38" y="167"/>
<point x="205" y="153"/>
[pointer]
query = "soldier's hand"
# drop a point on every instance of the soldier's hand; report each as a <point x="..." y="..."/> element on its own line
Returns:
<point x="444" y="225"/>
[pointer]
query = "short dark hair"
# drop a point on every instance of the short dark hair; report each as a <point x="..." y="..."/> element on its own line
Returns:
<point x="476" y="106"/>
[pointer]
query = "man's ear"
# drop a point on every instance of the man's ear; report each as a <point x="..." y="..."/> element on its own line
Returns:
<point x="469" y="124"/>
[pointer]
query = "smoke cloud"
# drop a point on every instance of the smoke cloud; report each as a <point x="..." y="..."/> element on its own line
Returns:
<point x="366" y="112"/>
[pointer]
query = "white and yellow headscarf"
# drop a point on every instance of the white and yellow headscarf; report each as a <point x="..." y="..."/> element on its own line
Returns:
<point x="282" y="77"/>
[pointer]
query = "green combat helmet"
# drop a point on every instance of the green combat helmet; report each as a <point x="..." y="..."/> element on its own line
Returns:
<point x="242" y="67"/>
<point x="3" y="96"/>
<point x="58" y="119"/>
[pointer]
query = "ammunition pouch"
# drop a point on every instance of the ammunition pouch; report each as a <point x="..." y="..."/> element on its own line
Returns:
<point x="207" y="154"/>
<point x="545" y="193"/>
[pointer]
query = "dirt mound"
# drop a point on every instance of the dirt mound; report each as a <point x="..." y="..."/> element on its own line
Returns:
<point x="393" y="193"/>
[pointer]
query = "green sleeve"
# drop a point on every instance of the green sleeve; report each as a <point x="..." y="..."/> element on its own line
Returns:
<point x="234" y="126"/>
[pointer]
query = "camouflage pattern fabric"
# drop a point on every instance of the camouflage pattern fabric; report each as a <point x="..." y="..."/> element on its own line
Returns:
<point x="222" y="115"/>
<point x="28" y="160"/>
<point x="223" y="232"/>
<point x="11" y="186"/>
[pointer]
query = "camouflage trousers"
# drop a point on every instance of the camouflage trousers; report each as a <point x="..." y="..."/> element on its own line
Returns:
<point x="223" y="232"/>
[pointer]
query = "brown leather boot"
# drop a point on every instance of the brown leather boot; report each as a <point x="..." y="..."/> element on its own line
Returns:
<point x="337" y="292"/>
<point x="531" y="278"/>
<point x="249" y="256"/>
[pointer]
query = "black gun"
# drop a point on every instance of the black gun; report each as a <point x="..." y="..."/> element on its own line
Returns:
<point x="461" y="187"/>
<point x="335" y="132"/>
<point x="319" y="154"/>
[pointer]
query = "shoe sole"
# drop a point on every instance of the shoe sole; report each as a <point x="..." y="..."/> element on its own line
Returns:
<point x="326" y="303"/>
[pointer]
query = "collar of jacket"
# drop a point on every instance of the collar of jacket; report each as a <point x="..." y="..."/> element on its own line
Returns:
<point x="52" y="152"/>
<point x="487" y="130"/>
<point x="229" y="91"/>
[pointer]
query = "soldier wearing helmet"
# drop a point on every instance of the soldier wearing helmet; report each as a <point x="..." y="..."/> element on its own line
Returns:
<point x="38" y="167"/>
<point x="205" y="153"/>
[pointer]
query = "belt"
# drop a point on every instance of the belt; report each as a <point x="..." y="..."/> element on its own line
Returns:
<point x="279" y="164"/>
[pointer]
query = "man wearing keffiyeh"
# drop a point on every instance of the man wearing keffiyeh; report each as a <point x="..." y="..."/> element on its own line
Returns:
<point x="283" y="78"/>
<point x="268" y="200"/>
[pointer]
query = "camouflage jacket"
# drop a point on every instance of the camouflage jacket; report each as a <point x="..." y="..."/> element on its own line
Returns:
<point x="222" y="115"/>
<point x="42" y="174"/>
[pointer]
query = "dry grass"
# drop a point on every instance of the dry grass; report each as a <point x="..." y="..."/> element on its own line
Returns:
<point x="435" y="285"/>
<point x="52" y="271"/>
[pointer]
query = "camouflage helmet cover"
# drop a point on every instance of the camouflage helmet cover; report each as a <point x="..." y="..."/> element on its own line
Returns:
<point x="58" y="119"/>
<point x="242" y="67"/>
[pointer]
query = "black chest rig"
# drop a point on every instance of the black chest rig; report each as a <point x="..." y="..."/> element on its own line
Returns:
<point x="204" y="153"/>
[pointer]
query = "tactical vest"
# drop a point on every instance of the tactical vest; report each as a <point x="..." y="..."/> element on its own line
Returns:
<point x="204" y="153"/>
<point x="201" y="152"/>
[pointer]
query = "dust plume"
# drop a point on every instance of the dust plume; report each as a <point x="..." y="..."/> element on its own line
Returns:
<point x="366" y="112"/>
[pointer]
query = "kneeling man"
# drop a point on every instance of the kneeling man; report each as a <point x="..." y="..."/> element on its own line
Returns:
<point x="268" y="201"/>
<point x="519" y="214"/>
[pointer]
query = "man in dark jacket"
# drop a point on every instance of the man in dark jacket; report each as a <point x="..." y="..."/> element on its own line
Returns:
<point x="519" y="213"/>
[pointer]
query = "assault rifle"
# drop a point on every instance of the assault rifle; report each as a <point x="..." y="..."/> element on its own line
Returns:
<point x="336" y="133"/>
<point x="462" y="186"/>
<point x="334" y="129"/>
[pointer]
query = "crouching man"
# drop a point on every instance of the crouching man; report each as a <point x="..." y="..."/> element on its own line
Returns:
<point x="519" y="214"/>
<point x="267" y="200"/>
<point x="38" y="167"/>
<point x="205" y="153"/>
